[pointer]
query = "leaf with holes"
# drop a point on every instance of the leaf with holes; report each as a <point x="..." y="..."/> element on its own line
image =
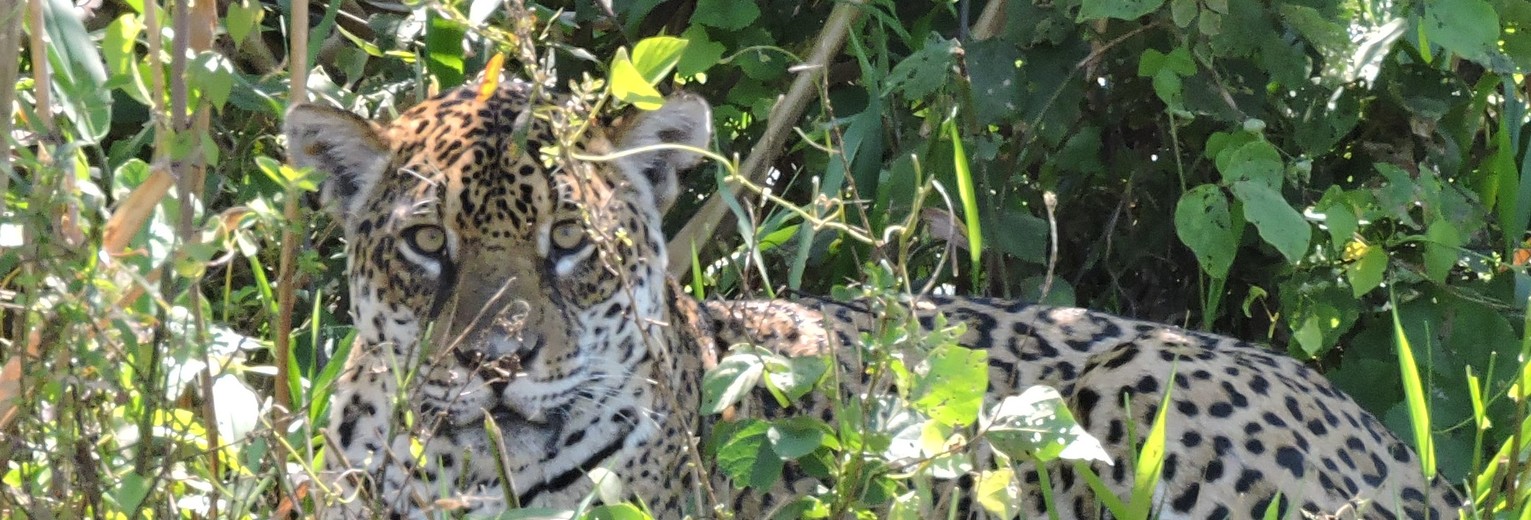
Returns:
<point x="1038" y="425"/>
<point x="1205" y="224"/>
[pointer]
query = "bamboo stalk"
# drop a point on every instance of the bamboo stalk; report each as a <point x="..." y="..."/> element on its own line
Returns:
<point x="202" y="21"/>
<point x="298" y="63"/>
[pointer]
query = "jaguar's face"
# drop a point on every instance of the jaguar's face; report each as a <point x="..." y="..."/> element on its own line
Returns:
<point x="474" y="232"/>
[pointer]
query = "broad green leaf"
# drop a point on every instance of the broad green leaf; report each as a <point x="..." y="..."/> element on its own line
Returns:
<point x="909" y="506"/>
<point x="794" y="437"/>
<point x="617" y="511"/>
<point x="1178" y="62"/>
<point x="952" y="383"/>
<point x="725" y="14"/>
<point x="118" y="45"/>
<point x="1367" y="267"/>
<point x="1256" y="161"/>
<point x="1168" y="87"/>
<point x="746" y="456"/>
<point x="1205" y="224"/>
<point x="701" y="52"/>
<point x="305" y="179"/>
<point x="1339" y="217"/>
<point x="444" y="49"/>
<point x="794" y="377"/>
<point x="730" y="381"/>
<point x="999" y="492"/>
<point x="925" y="70"/>
<point x="212" y="76"/>
<point x="1183" y="12"/>
<point x="1441" y="243"/>
<point x="655" y="57"/>
<point x="1469" y="28"/>
<point x="243" y="17"/>
<point x="1279" y="224"/>
<point x="997" y="87"/>
<point x="129" y="491"/>
<point x="1121" y="9"/>
<point x="628" y="84"/>
<point x="1038" y="425"/>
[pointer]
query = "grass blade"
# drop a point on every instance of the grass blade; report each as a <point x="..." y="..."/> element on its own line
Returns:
<point x="969" y="198"/>
<point x="1414" y="395"/>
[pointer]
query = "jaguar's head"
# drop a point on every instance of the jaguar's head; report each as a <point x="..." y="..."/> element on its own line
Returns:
<point x="481" y="225"/>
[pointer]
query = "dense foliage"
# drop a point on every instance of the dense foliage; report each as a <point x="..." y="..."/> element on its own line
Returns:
<point x="1347" y="180"/>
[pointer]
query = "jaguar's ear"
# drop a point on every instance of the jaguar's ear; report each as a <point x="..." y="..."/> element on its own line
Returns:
<point x="685" y="119"/>
<point x="344" y="146"/>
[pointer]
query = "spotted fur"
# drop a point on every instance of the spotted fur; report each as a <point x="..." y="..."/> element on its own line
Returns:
<point x="501" y="275"/>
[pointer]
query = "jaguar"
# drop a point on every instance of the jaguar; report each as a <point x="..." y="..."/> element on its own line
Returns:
<point x="518" y="343"/>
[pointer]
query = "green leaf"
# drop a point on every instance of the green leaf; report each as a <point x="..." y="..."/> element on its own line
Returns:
<point x="1254" y="161"/>
<point x="119" y="44"/>
<point x="1178" y="62"/>
<point x="1441" y="243"/>
<point x="1339" y="217"/>
<point x="725" y="14"/>
<point x="952" y="384"/>
<point x="996" y="87"/>
<point x="1182" y="12"/>
<point x="794" y="437"/>
<point x="213" y="78"/>
<point x="628" y="84"/>
<point x="1167" y="86"/>
<point x="701" y="53"/>
<point x="999" y="492"/>
<point x="444" y="49"/>
<point x="1469" y="28"/>
<point x="795" y="376"/>
<point x="1121" y="9"/>
<point x="1205" y="224"/>
<point x="655" y="57"/>
<point x="242" y="18"/>
<point x="617" y="512"/>
<point x="747" y="457"/>
<point x="289" y="178"/>
<point x="1279" y="224"/>
<point x="730" y="381"/>
<point x="1366" y="272"/>
<point x="925" y="70"/>
<point x="1037" y="424"/>
<point x="129" y="491"/>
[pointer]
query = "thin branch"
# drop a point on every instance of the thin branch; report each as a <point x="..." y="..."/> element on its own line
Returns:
<point x="779" y="126"/>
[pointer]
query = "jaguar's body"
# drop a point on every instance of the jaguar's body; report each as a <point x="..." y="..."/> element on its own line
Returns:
<point x="499" y="274"/>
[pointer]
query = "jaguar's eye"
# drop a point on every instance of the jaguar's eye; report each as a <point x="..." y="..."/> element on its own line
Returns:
<point x="426" y="239"/>
<point x="568" y="235"/>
